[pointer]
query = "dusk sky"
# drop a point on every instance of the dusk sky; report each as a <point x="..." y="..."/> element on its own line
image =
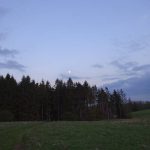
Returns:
<point x="103" y="42"/>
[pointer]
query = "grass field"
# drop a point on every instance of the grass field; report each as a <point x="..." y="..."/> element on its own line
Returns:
<point x="142" y="114"/>
<point x="130" y="134"/>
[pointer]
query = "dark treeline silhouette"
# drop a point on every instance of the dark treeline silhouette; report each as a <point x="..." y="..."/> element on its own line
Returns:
<point x="28" y="100"/>
<point x="139" y="105"/>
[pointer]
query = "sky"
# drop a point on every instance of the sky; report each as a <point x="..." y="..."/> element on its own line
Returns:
<point x="104" y="42"/>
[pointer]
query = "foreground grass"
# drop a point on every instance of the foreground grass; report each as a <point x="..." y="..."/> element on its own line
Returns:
<point x="131" y="134"/>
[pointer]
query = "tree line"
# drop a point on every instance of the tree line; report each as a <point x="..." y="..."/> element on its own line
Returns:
<point x="30" y="101"/>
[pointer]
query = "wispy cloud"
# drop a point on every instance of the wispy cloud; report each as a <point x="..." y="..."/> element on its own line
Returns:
<point x="110" y="78"/>
<point x="97" y="66"/>
<point x="12" y="65"/>
<point x="67" y="76"/>
<point x="130" y="66"/>
<point x="137" y="79"/>
<point x="124" y="66"/>
<point x="132" y="45"/>
<point x="135" y="46"/>
<point x="7" y="52"/>
<point x="145" y="67"/>
<point x="137" y="87"/>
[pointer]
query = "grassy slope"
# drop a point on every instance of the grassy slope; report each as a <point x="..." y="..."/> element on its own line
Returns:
<point x="145" y="114"/>
<point x="131" y="134"/>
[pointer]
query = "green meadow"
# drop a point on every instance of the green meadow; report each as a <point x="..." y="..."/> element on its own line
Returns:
<point x="127" y="134"/>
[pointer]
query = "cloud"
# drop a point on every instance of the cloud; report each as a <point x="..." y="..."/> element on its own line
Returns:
<point x="133" y="45"/>
<point x="12" y="65"/>
<point x="124" y="66"/>
<point x="66" y="76"/>
<point x="7" y="52"/>
<point x="110" y="78"/>
<point x="126" y="72"/>
<point x="136" y="45"/>
<point x="131" y="66"/>
<point x="97" y="66"/>
<point x="145" y="67"/>
<point x="138" y="88"/>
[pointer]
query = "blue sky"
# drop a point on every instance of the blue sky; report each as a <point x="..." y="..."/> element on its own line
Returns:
<point x="103" y="42"/>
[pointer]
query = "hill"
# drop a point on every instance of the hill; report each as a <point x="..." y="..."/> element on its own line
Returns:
<point x="144" y="114"/>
